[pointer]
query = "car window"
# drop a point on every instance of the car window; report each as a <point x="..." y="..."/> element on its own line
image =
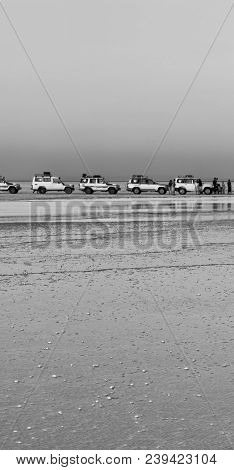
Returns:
<point x="100" y="180"/>
<point x="56" y="180"/>
<point x="38" y="178"/>
<point x="92" y="180"/>
<point x="150" y="182"/>
<point x="46" y="179"/>
<point x="84" y="180"/>
<point x="189" y="181"/>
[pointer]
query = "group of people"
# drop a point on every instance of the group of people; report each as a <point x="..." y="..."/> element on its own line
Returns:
<point x="220" y="188"/>
<point x="198" y="186"/>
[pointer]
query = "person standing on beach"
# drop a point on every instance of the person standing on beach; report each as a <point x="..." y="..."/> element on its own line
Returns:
<point x="229" y="186"/>
<point x="199" y="186"/>
<point x="173" y="186"/>
<point x="215" y="185"/>
<point x="223" y="187"/>
<point x="170" y="186"/>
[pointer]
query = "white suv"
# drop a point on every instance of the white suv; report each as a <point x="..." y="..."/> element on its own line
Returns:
<point x="188" y="183"/>
<point x="47" y="182"/>
<point x="5" y="185"/>
<point x="89" y="184"/>
<point x="140" y="183"/>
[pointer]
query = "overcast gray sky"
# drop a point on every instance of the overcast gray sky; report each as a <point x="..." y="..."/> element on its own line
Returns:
<point x="117" y="70"/>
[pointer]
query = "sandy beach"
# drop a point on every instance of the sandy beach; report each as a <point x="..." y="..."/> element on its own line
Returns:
<point x="117" y="323"/>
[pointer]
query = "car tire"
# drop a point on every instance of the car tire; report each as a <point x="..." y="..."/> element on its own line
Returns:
<point x="12" y="190"/>
<point x="88" y="191"/>
<point x="136" y="191"/>
<point x="207" y="191"/>
<point x="112" y="191"/>
<point x="42" y="190"/>
<point x="68" y="190"/>
<point x="182" y="191"/>
<point x="162" y="191"/>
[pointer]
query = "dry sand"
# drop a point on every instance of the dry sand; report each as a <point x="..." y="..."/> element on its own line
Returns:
<point x="118" y="334"/>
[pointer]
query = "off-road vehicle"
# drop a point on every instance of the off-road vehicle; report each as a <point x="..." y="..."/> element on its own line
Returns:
<point x="89" y="184"/>
<point x="47" y="182"/>
<point x="186" y="184"/>
<point x="6" y="185"/>
<point x="140" y="183"/>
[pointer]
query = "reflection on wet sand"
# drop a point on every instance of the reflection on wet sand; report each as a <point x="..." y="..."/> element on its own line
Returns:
<point x="112" y="210"/>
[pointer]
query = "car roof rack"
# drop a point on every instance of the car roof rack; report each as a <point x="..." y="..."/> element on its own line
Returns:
<point x="186" y="176"/>
<point x="139" y="176"/>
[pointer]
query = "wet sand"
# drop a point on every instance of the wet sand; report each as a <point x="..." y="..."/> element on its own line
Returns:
<point x="117" y="330"/>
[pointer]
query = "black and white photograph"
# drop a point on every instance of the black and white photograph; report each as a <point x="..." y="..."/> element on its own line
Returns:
<point x="117" y="233"/>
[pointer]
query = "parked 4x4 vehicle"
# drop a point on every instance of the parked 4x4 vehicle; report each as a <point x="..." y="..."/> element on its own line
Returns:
<point x="187" y="183"/>
<point x="89" y="184"/>
<point x="47" y="182"/>
<point x="140" y="183"/>
<point x="5" y="185"/>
